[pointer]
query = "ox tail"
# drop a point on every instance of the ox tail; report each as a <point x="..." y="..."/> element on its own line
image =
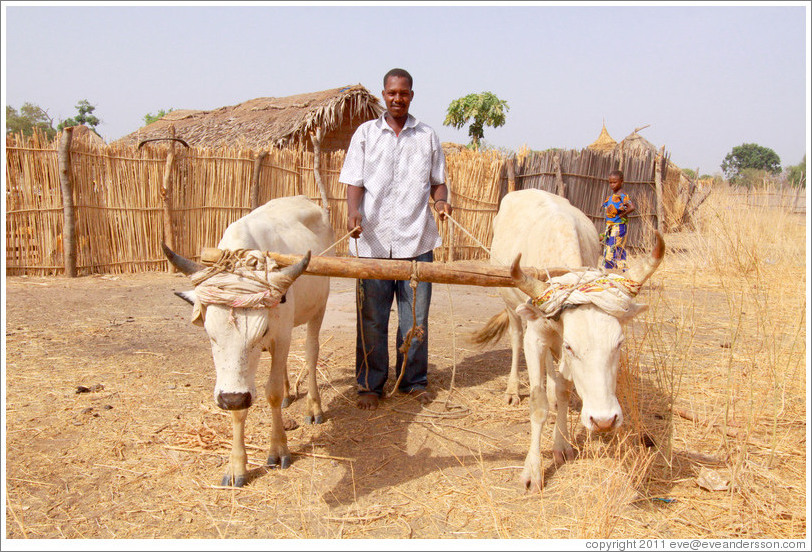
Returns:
<point x="492" y="331"/>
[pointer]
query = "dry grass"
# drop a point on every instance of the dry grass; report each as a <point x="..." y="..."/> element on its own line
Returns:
<point x="713" y="377"/>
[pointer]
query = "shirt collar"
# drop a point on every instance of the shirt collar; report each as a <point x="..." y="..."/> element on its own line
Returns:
<point x="411" y="121"/>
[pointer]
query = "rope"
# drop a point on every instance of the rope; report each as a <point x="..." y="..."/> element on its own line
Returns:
<point x="469" y="234"/>
<point x="241" y="279"/>
<point x="612" y="293"/>
<point x="414" y="331"/>
<point x="347" y="235"/>
<point x="359" y="299"/>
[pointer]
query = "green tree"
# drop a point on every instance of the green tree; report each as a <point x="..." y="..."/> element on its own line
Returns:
<point x="754" y="178"/>
<point x="750" y="156"/>
<point x="149" y="118"/>
<point x="84" y="117"/>
<point x="796" y="174"/>
<point x="689" y="173"/>
<point x="29" y="118"/>
<point x="482" y="110"/>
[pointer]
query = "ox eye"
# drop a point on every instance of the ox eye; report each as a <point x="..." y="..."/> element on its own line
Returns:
<point x="568" y="349"/>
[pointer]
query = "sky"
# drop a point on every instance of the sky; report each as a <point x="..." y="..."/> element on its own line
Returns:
<point x="705" y="76"/>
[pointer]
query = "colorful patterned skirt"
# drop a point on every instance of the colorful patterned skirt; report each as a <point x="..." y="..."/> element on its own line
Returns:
<point x="614" y="245"/>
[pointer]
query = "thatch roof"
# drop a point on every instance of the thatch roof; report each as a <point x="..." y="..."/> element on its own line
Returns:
<point x="452" y="147"/>
<point x="636" y="145"/>
<point x="604" y="143"/>
<point x="81" y="132"/>
<point x="266" y="122"/>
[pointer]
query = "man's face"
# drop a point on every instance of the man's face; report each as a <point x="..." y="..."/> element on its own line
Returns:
<point x="615" y="182"/>
<point x="397" y="95"/>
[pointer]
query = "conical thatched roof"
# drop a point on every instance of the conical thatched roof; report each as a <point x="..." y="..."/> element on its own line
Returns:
<point x="604" y="143"/>
<point x="262" y="123"/>
<point x="81" y="132"/>
<point x="636" y="145"/>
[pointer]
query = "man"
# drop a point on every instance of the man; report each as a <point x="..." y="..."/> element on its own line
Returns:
<point x="393" y="165"/>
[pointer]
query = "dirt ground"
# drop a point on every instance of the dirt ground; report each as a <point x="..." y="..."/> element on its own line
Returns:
<point x="140" y="453"/>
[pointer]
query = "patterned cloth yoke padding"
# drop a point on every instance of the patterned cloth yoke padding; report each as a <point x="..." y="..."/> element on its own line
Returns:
<point x="240" y="279"/>
<point x="611" y="293"/>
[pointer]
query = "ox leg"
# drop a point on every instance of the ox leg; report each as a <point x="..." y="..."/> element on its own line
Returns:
<point x="561" y="388"/>
<point x="515" y="327"/>
<point x="235" y="477"/>
<point x="287" y="397"/>
<point x="314" y="415"/>
<point x="279" y="455"/>
<point x="535" y="352"/>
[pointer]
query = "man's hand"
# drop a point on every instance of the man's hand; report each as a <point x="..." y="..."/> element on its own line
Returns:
<point x="355" y="195"/>
<point x="443" y="207"/>
<point x="354" y="223"/>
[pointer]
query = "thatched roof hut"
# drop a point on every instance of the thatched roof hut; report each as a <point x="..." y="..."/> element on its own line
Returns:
<point x="263" y="123"/>
<point x="604" y="143"/>
<point x="635" y="145"/>
<point x="81" y="132"/>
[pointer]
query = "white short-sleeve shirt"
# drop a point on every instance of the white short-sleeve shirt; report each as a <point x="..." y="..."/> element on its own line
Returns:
<point x="396" y="172"/>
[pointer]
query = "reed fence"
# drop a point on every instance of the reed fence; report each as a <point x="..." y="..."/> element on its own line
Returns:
<point x="119" y="197"/>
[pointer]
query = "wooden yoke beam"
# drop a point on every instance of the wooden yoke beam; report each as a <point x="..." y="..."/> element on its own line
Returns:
<point x="461" y="273"/>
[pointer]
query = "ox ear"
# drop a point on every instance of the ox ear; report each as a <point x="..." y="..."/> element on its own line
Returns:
<point x="199" y="311"/>
<point x="188" y="296"/>
<point x="529" y="312"/>
<point x="634" y="310"/>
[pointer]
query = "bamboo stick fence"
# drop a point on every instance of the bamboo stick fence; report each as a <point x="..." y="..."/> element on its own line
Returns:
<point x="119" y="195"/>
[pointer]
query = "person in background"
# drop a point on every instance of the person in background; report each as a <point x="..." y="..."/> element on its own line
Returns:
<point x="394" y="164"/>
<point x="617" y="208"/>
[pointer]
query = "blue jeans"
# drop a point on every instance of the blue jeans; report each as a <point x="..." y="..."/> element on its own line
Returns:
<point x="372" y="326"/>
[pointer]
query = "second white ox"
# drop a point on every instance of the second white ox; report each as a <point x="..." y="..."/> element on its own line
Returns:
<point x="250" y="309"/>
<point x="576" y="319"/>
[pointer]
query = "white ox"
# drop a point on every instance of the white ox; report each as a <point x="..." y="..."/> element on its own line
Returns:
<point x="238" y="334"/>
<point x="579" y="322"/>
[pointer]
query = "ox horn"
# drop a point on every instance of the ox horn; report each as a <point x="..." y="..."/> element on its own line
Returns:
<point x="295" y="270"/>
<point x="181" y="263"/>
<point x="531" y="286"/>
<point x="644" y="270"/>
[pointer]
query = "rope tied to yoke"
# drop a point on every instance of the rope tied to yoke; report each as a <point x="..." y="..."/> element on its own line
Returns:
<point x="612" y="293"/>
<point x="239" y="278"/>
<point x="415" y="332"/>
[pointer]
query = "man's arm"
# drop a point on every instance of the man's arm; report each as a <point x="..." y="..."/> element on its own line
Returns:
<point x="439" y="194"/>
<point x="354" y="196"/>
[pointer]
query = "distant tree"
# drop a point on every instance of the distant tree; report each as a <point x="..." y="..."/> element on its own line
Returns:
<point x="796" y="174"/>
<point x="149" y="118"/>
<point x="84" y="117"/>
<point x="29" y="118"/>
<point x="750" y="156"/>
<point x="482" y="110"/>
<point x="690" y="173"/>
<point x="754" y="178"/>
<point x="715" y="178"/>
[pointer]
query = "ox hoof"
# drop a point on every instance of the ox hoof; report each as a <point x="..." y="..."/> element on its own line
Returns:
<point x="532" y="483"/>
<point x="286" y="402"/>
<point x="512" y="399"/>
<point x="317" y="419"/>
<point x="281" y="462"/>
<point x="231" y="481"/>
<point x="560" y="457"/>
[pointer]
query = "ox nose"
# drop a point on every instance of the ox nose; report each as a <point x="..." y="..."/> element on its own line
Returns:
<point x="233" y="401"/>
<point x="603" y="424"/>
